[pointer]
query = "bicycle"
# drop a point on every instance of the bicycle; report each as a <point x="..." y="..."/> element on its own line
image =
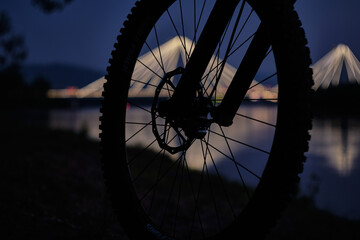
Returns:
<point x="171" y="186"/>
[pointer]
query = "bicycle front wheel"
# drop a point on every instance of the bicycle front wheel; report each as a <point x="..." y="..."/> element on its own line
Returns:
<point x="190" y="177"/>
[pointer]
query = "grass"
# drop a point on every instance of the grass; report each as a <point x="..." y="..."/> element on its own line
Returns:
<point x="302" y="220"/>
<point x="52" y="188"/>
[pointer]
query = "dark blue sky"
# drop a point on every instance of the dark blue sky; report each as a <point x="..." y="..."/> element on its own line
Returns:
<point x="85" y="31"/>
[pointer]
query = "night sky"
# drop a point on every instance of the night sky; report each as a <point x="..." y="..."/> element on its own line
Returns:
<point x="84" y="32"/>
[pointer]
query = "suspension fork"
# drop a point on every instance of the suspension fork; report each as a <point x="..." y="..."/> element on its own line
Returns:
<point x="189" y="82"/>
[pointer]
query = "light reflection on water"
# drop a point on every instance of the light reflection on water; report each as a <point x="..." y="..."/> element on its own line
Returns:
<point x="333" y="164"/>
<point x="342" y="134"/>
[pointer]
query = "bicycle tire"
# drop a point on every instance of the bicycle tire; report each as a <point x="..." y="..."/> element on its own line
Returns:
<point x="279" y="179"/>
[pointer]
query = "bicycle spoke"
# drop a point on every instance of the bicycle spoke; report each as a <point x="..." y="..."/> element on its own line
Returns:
<point x="141" y="198"/>
<point x="210" y="185"/>
<point x="146" y="167"/>
<point x="182" y="26"/>
<point x="197" y="23"/>
<point x="145" y="83"/>
<point x="256" y="120"/>
<point x="205" y="154"/>
<point x="220" y="179"/>
<point x="158" y="47"/>
<point x="236" y="165"/>
<point x="178" y="34"/>
<point x="261" y="99"/>
<point x="263" y="81"/>
<point x="218" y="219"/>
<point x="170" y="193"/>
<point x="243" y="26"/>
<point x="239" y="142"/>
<point x="169" y="90"/>
<point x="158" y="176"/>
<point x="196" y="198"/>
<point x="149" y="145"/>
<point x="179" y="197"/>
<point x="156" y="59"/>
<point x="142" y="123"/>
<point x="137" y="132"/>
<point x="242" y="44"/>
<point x="149" y="68"/>
<point x="233" y="160"/>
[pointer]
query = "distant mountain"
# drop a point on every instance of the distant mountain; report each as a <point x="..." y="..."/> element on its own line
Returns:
<point x="61" y="76"/>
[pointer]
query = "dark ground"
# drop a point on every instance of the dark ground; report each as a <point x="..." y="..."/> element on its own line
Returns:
<point x="52" y="188"/>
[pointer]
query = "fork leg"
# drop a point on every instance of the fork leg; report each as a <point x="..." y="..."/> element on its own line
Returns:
<point x="249" y="66"/>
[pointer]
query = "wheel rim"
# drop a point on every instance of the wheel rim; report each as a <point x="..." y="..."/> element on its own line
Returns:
<point x="179" y="180"/>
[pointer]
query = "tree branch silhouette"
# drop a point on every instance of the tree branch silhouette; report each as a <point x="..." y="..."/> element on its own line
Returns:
<point x="12" y="46"/>
<point x="49" y="6"/>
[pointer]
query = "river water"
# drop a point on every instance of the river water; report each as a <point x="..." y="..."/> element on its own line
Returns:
<point x="332" y="171"/>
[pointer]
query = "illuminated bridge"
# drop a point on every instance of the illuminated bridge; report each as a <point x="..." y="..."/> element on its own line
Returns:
<point x="326" y="72"/>
<point x="171" y="53"/>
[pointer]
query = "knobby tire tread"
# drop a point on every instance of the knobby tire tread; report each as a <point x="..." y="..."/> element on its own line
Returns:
<point x="258" y="221"/>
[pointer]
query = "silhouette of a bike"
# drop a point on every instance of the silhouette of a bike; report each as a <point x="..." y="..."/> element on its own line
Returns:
<point x="174" y="126"/>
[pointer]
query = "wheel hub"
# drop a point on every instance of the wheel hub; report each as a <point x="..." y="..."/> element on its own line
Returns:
<point x="189" y="124"/>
